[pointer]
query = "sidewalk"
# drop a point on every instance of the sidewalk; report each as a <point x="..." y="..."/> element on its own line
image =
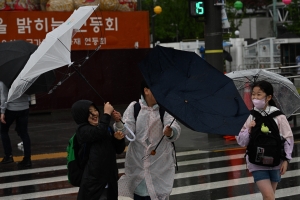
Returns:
<point x="51" y="131"/>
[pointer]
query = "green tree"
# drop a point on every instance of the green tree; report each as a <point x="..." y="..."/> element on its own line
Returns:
<point x="235" y="17"/>
<point x="174" y="17"/>
<point x="294" y="14"/>
<point x="256" y="4"/>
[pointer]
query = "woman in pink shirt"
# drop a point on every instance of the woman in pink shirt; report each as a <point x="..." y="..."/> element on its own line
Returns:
<point x="266" y="177"/>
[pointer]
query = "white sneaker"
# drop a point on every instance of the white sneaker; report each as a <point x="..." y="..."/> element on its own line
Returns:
<point x="20" y="144"/>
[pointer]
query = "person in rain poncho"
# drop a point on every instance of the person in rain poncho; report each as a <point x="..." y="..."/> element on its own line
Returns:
<point x="99" y="179"/>
<point x="265" y="177"/>
<point x="149" y="177"/>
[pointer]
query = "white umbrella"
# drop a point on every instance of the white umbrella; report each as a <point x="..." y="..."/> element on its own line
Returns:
<point x="54" y="52"/>
<point x="285" y="95"/>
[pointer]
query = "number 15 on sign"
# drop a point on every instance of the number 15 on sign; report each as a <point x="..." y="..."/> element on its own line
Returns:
<point x="196" y="8"/>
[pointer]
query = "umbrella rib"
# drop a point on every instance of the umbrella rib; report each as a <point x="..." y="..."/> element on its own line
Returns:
<point x="63" y="44"/>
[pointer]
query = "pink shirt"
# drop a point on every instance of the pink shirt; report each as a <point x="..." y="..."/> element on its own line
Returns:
<point x="284" y="129"/>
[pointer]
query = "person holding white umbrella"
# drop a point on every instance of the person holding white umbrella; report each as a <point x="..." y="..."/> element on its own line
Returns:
<point x="17" y="110"/>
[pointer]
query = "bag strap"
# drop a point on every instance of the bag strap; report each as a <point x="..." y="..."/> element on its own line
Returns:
<point x="257" y="114"/>
<point x="137" y="108"/>
<point x="275" y="113"/>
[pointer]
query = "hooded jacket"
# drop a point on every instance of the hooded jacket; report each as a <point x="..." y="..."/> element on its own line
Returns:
<point x="155" y="174"/>
<point x="101" y="169"/>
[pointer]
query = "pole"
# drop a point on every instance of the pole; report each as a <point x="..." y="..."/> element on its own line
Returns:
<point x="213" y="39"/>
<point x="152" y="24"/>
<point x="275" y="18"/>
<point x="176" y="32"/>
<point x="153" y="33"/>
<point x="213" y="36"/>
<point x="139" y="5"/>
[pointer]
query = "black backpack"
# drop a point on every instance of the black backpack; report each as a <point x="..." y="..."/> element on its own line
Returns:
<point x="137" y="108"/>
<point x="77" y="157"/>
<point x="266" y="146"/>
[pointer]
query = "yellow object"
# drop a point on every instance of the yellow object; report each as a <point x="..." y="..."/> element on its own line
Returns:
<point x="214" y="51"/>
<point x="264" y="128"/>
<point x="157" y="9"/>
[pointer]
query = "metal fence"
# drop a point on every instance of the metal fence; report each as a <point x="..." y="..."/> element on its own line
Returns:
<point x="264" y="54"/>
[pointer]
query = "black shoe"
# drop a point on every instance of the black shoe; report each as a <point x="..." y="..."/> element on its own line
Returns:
<point x="7" y="159"/>
<point x="26" y="162"/>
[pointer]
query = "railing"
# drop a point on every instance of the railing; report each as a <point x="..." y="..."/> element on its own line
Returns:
<point x="262" y="54"/>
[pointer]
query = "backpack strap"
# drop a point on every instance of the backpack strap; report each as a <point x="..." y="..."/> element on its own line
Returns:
<point x="257" y="114"/>
<point x="137" y="108"/>
<point x="275" y="113"/>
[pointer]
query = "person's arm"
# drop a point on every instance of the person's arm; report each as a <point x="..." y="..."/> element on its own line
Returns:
<point x="88" y="133"/>
<point x="3" y="99"/>
<point x="243" y="137"/>
<point x="286" y="132"/>
<point x="175" y="127"/>
<point x="128" y="119"/>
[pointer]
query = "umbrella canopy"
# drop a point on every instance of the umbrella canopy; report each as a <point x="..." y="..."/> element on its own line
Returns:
<point x="285" y="95"/>
<point x="194" y="92"/>
<point x="43" y="83"/>
<point x="13" y="57"/>
<point x="54" y="52"/>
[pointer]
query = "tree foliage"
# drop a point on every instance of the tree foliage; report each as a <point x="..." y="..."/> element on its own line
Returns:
<point x="256" y="4"/>
<point x="294" y="15"/>
<point x="174" y="17"/>
<point x="235" y="17"/>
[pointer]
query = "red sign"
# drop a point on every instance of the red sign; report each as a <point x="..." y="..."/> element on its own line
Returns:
<point x="111" y="30"/>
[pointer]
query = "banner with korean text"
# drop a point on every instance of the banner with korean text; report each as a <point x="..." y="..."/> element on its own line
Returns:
<point x="113" y="30"/>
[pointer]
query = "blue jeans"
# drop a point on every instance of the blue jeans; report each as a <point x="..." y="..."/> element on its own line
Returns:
<point x="21" y="118"/>
<point x="273" y="175"/>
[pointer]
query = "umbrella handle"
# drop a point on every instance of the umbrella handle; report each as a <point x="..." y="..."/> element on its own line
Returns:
<point x="172" y="122"/>
<point x="130" y="131"/>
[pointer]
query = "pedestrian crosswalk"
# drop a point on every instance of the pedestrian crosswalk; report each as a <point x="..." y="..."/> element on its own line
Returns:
<point x="202" y="175"/>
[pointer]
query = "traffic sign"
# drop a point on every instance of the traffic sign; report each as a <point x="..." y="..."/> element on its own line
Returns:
<point x="197" y="8"/>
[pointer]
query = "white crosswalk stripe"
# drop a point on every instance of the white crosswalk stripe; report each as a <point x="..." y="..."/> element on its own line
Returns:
<point x="201" y="173"/>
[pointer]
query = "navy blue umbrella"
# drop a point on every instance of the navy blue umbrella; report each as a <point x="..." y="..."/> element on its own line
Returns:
<point x="194" y="92"/>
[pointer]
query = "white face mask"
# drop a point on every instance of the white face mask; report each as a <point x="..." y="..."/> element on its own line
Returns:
<point x="259" y="103"/>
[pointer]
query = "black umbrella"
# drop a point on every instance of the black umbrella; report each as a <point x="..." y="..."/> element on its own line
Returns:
<point x="13" y="57"/>
<point x="194" y="92"/>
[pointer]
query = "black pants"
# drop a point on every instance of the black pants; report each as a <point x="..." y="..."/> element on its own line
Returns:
<point x="21" y="118"/>
<point x="137" y="197"/>
<point x="104" y="195"/>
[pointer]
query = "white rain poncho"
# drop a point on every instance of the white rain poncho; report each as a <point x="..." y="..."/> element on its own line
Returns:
<point x="157" y="170"/>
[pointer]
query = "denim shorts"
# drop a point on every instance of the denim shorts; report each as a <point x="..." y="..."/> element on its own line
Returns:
<point x="273" y="175"/>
